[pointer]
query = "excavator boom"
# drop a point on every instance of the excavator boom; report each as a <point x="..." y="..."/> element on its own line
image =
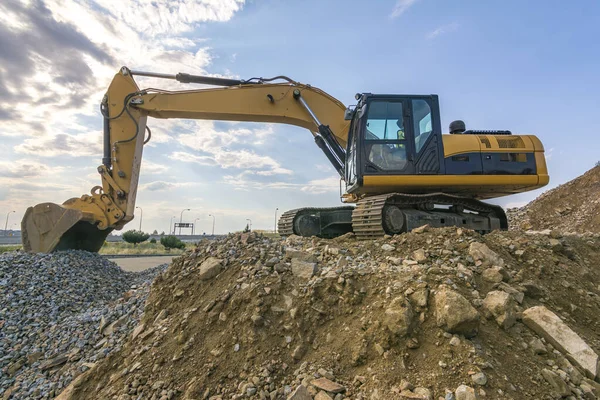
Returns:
<point x="83" y="223"/>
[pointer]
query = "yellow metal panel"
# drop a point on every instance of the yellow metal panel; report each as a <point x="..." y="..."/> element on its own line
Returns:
<point x="460" y="144"/>
<point x="477" y="186"/>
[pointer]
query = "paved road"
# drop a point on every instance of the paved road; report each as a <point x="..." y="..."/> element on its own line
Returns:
<point x="141" y="263"/>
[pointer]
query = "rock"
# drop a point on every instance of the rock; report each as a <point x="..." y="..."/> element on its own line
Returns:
<point x="420" y="297"/>
<point x="300" y="255"/>
<point x="417" y="394"/>
<point x="271" y="262"/>
<point x="323" y="396"/>
<point x="480" y="252"/>
<point x="547" y="324"/>
<point x="421" y="229"/>
<point x="464" y="392"/>
<point x="398" y="317"/>
<point x="387" y="247"/>
<point x="492" y="275"/>
<point x="479" y="379"/>
<point x="303" y="269"/>
<point x="537" y="346"/>
<point x="210" y="268"/>
<point x="516" y="294"/>
<point x="328" y="386"/>
<point x="301" y="393"/>
<point x="558" y="385"/>
<point x="138" y="329"/>
<point x="419" y="255"/>
<point x="56" y="361"/>
<point x="455" y="341"/>
<point x="455" y="314"/>
<point x="533" y="290"/>
<point x="500" y="305"/>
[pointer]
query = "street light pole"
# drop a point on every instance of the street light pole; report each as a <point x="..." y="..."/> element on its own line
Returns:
<point x="250" y="227"/>
<point x="180" y="218"/>
<point x="172" y="226"/>
<point x="194" y="226"/>
<point x="213" y="230"/>
<point x="141" y="216"/>
<point x="275" y="226"/>
<point x="6" y="223"/>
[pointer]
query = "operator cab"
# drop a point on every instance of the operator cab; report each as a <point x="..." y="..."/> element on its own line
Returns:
<point x="393" y="135"/>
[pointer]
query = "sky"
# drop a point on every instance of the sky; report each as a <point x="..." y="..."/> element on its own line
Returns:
<point x="530" y="67"/>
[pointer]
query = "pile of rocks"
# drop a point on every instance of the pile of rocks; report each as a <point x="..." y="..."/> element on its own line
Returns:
<point x="572" y="207"/>
<point x="60" y="314"/>
<point x="432" y="314"/>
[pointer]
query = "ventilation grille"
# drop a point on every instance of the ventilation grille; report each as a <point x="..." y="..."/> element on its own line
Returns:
<point x="510" y="143"/>
<point x="485" y="141"/>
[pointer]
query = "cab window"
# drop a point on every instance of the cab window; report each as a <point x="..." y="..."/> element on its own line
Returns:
<point x="422" y="122"/>
<point x="384" y="135"/>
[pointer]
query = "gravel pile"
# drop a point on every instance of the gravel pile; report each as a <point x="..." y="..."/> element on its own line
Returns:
<point x="61" y="313"/>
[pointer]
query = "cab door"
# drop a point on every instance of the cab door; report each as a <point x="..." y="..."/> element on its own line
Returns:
<point x="387" y="146"/>
<point x="426" y="135"/>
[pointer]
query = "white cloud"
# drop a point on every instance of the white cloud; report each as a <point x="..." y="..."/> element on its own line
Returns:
<point x="442" y="30"/>
<point x="246" y="182"/>
<point x="401" y="6"/>
<point x="162" y="185"/>
<point x="24" y="169"/>
<point x="153" y="168"/>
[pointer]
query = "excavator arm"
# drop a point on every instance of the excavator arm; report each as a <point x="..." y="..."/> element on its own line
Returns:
<point x="83" y="223"/>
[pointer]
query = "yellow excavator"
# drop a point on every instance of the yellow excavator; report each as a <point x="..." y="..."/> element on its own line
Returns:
<point x="397" y="167"/>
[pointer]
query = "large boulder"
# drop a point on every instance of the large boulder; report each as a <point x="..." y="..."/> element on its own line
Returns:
<point x="455" y="314"/>
<point x="303" y="269"/>
<point x="547" y="324"/>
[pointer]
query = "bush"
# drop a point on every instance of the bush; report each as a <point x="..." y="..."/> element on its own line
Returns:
<point x="171" y="242"/>
<point x="152" y="240"/>
<point x="135" y="237"/>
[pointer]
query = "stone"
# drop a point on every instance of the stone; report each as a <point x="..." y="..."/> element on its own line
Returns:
<point x="455" y="314"/>
<point x="481" y="252"/>
<point x="455" y="341"/>
<point x="387" y="247"/>
<point x="479" y="379"/>
<point x="423" y="394"/>
<point x="210" y="268"/>
<point x="500" y="305"/>
<point x="136" y="331"/>
<point x="300" y="255"/>
<point x="464" y="392"/>
<point x="323" y="396"/>
<point x="516" y="294"/>
<point x="420" y="297"/>
<point x="419" y="255"/>
<point x="492" y="275"/>
<point x="303" y="269"/>
<point x="421" y="229"/>
<point x="301" y="393"/>
<point x="548" y="325"/>
<point x="271" y="262"/>
<point x="54" y="362"/>
<point x="558" y="385"/>
<point x="398" y="317"/>
<point x="537" y="346"/>
<point x="328" y="385"/>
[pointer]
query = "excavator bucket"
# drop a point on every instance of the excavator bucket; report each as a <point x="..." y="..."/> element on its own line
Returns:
<point x="49" y="227"/>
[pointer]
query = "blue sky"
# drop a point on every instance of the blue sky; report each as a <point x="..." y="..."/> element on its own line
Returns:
<point x="531" y="67"/>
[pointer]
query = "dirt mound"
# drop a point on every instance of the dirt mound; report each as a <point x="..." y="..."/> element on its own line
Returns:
<point x="433" y="314"/>
<point x="571" y="207"/>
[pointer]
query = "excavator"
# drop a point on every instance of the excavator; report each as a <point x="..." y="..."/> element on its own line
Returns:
<point x="397" y="167"/>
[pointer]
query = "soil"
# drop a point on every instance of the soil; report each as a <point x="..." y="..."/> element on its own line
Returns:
<point x="254" y="317"/>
